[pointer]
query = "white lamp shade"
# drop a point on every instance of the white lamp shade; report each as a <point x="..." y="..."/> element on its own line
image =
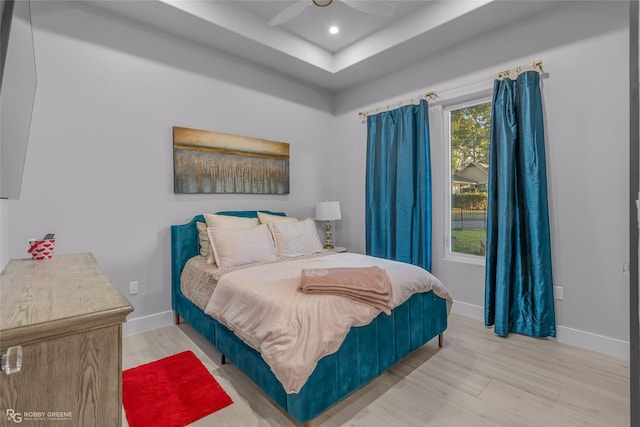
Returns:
<point x="328" y="211"/>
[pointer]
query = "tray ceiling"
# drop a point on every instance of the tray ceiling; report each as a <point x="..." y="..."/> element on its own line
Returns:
<point x="367" y="46"/>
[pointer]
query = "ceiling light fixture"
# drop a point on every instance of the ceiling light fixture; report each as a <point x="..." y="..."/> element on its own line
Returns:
<point x="334" y="30"/>
<point x="372" y="7"/>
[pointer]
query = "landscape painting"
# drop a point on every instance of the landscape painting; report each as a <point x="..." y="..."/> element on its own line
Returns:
<point x="212" y="162"/>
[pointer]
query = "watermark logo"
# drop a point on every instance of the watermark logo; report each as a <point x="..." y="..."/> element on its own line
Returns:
<point x="17" y="417"/>
<point x="14" y="416"/>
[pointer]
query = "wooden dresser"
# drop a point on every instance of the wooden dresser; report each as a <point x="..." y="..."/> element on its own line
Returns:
<point x="67" y="316"/>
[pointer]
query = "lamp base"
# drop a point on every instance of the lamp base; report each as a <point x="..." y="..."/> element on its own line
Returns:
<point x="328" y="242"/>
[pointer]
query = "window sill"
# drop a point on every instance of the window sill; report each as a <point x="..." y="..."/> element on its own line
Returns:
<point x="465" y="259"/>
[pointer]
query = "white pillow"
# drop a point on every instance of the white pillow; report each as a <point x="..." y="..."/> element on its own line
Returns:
<point x="219" y="221"/>
<point x="296" y="238"/>
<point x="226" y="221"/>
<point x="237" y="246"/>
<point x="269" y="219"/>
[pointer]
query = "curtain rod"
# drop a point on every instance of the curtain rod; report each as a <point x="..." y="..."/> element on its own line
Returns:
<point x="433" y="95"/>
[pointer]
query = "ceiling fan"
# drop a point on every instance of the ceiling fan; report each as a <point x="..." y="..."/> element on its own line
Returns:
<point x="372" y="7"/>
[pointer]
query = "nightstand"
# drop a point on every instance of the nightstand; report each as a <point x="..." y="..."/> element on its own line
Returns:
<point x="337" y="249"/>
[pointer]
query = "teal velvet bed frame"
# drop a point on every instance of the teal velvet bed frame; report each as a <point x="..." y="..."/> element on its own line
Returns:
<point x="366" y="352"/>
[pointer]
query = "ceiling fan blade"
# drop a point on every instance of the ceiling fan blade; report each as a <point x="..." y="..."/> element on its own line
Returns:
<point x="289" y="12"/>
<point x="372" y="7"/>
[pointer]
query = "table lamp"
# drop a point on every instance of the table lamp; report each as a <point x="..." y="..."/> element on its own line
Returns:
<point x="327" y="211"/>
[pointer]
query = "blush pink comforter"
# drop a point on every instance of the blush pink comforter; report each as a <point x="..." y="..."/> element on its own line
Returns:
<point x="264" y="306"/>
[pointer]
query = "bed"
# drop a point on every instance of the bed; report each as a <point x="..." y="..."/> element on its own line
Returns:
<point x="366" y="352"/>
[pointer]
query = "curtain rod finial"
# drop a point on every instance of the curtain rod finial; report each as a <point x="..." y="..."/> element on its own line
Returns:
<point x="538" y="64"/>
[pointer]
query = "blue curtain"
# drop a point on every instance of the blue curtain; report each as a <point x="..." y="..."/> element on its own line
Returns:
<point x="398" y="185"/>
<point x="519" y="285"/>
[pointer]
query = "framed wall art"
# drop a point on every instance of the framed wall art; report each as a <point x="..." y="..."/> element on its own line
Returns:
<point x="213" y="162"/>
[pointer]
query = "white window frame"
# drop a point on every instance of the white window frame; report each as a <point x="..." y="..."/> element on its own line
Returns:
<point x="455" y="104"/>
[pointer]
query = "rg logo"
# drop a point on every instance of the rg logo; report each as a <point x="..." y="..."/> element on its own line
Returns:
<point x="14" y="416"/>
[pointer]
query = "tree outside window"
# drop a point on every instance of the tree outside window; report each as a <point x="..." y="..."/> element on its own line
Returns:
<point x="469" y="141"/>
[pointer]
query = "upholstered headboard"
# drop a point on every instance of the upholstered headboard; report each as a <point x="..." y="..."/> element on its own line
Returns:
<point x="185" y="244"/>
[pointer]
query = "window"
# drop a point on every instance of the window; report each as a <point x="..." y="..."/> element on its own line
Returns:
<point x="468" y="128"/>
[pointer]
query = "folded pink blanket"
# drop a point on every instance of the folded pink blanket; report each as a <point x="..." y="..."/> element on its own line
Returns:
<point x="369" y="285"/>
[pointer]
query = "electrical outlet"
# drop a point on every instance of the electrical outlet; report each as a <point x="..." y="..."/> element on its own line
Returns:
<point x="558" y="292"/>
<point x="625" y="268"/>
<point x="133" y="288"/>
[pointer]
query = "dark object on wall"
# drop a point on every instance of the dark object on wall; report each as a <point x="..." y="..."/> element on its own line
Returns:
<point x="18" y="83"/>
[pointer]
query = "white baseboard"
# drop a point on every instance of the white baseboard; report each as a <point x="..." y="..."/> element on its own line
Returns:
<point x="475" y="312"/>
<point x="589" y="341"/>
<point x="594" y="342"/>
<point x="146" y="323"/>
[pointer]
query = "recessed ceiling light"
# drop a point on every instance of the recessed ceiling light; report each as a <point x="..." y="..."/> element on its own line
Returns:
<point x="334" y="30"/>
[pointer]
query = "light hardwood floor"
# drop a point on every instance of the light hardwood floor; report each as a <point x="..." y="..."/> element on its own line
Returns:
<point x="477" y="379"/>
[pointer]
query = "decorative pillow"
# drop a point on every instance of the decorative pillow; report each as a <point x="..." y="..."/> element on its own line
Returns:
<point x="268" y="219"/>
<point x="225" y="221"/>
<point x="237" y="246"/>
<point x="205" y="244"/>
<point x="296" y="238"/>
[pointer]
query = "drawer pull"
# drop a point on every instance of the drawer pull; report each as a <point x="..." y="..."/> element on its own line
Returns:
<point x="11" y="361"/>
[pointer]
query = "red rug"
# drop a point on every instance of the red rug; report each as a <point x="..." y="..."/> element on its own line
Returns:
<point x="171" y="392"/>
